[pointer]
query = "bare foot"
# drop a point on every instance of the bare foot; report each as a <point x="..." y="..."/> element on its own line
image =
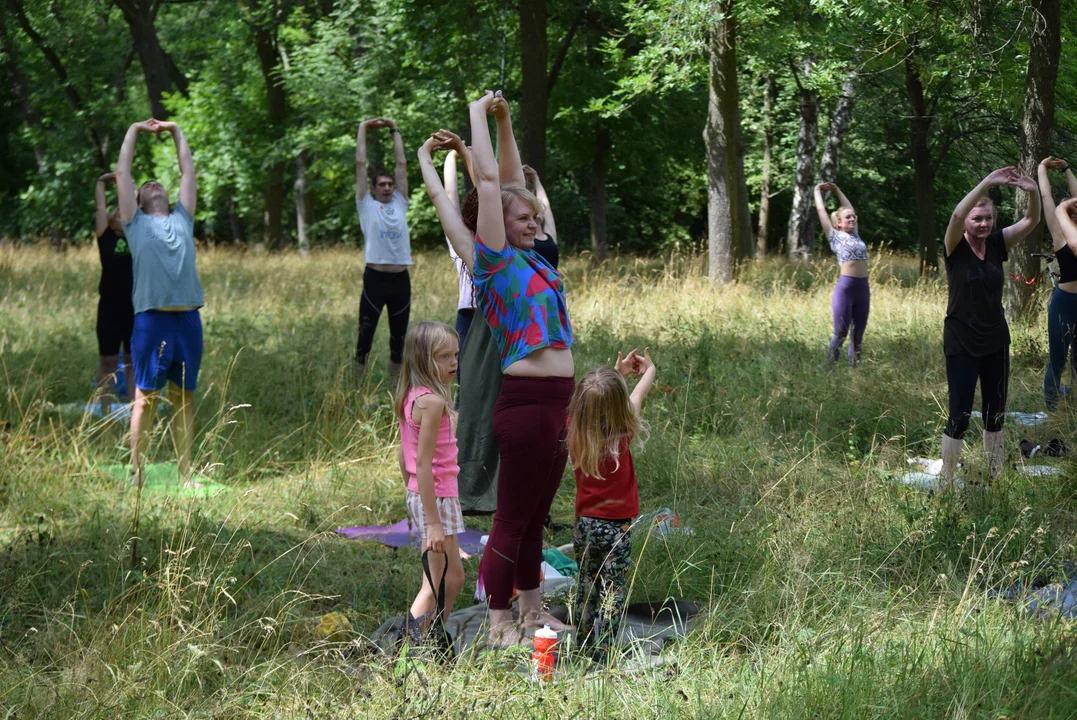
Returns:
<point x="538" y="618"/>
<point x="505" y="634"/>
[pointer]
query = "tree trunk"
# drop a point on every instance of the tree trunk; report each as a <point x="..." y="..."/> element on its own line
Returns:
<point x="157" y="66"/>
<point x="533" y="94"/>
<point x="1039" y="116"/>
<point x="800" y="235"/>
<point x="723" y="181"/>
<point x="276" y="110"/>
<point x="923" y="171"/>
<point x="764" y="190"/>
<point x="301" y="204"/>
<point x="235" y="223"/>
<point x="598" y="193"/>
<point x="835" y="136"/>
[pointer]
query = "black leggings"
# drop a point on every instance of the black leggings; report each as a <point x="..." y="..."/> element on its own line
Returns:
<point x="993" y="372"/>
<point x="384" y="289"/>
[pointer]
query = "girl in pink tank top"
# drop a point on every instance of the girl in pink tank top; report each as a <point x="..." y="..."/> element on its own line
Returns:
<point x="428" y="455"/>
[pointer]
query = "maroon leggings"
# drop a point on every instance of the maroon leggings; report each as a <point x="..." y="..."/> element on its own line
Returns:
<point x="529" y="422"/>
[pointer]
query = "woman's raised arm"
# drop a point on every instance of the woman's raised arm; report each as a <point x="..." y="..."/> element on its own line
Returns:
<point x="820" y="208"/>
<point x="101" y="216"/>
<point x="461" y="239"/>
<point x="491" y="221"/>
<point x="956" y="227"/>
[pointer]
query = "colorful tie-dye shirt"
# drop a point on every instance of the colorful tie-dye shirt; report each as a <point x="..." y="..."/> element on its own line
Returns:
<point x="523" y="300"/>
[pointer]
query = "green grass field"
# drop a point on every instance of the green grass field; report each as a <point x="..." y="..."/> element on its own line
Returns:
<point x="832" y="590"/>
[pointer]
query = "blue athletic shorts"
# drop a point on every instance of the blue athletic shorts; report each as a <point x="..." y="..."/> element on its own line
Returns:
<point x="167" y="346"/>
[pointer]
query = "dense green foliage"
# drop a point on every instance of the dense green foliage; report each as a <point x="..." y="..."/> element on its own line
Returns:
<point x="635" y="69"/>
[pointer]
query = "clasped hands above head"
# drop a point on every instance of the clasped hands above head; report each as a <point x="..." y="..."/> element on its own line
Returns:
<point x="1013" y="176"/>
<point x="156" y="127"/>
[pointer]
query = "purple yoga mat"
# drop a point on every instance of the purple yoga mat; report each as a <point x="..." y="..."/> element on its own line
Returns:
<point x="397" y="535"/>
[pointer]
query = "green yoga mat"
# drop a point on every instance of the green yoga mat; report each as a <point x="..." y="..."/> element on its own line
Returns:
<point x="164" y="478"/>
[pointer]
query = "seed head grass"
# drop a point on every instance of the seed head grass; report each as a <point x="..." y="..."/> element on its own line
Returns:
<point x="829" y="588"/>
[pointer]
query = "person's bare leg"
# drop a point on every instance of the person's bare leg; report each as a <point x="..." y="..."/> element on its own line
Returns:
<point x="951" y="456"/>
<point x="503" y="628"/>
<point x="142" y="411"/>
<point x="424" y="601"/>
<point x="532" y="614"/>
<point x="182" y="428"/>
<point x="454" y="573"/>
<point x="129" y="375"/>
<point x="106" y="380"/>
<point x="995" y="450"/>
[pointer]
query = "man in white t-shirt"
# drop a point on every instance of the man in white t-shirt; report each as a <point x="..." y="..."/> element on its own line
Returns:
<point x="382" y="216"/>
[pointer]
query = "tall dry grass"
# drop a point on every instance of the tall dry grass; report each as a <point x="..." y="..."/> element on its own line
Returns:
<point x="832" y="590"/>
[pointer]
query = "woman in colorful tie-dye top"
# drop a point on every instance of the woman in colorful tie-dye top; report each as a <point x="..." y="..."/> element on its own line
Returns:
<point x="851" y="301"/>
<point x="522" y="298"/>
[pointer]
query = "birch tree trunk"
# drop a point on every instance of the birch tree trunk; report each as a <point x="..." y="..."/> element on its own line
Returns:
<point x="764" y="190"/>
<point x="301" y="204"/>
<point x="1036" y="125"/>
<point x="800" y="235"/>
<point x="839" y="126"/>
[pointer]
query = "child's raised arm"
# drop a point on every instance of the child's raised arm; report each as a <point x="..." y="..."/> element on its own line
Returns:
<point x="426" y="412"/>
<point x="645" y="366"/>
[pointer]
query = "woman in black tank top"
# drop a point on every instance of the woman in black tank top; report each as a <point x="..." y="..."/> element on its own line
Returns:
<point x="1062" y="310"/>
<point x="546" y="247"/>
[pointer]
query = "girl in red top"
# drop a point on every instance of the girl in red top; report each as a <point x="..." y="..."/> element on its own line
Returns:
<point x="604" y="420"/>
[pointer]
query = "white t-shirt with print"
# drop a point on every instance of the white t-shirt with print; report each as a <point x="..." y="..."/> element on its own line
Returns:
<point x="385" y="229"/>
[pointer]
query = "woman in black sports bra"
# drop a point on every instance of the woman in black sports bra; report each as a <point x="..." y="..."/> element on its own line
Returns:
<point x="1062" y="310"/>
<point x="546" y="247"/>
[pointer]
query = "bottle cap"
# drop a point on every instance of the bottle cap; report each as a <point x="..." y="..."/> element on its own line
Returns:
<point x="546" y="633"/>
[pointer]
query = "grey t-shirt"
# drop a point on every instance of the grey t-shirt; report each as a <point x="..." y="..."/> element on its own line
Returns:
<point x="162" y="254"/>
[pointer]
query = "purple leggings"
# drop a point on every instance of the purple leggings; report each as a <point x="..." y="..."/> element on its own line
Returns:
<point x="850" y="303"/>
<point x="529" y="422"/>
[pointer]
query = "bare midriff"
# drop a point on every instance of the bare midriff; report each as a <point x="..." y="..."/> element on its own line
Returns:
<point x="382" y="267"/>
<point x="1070" y="287"/>
<point x="544" y="362"/>
<point x="855" y="268"/>
<point x="177" y="308"/>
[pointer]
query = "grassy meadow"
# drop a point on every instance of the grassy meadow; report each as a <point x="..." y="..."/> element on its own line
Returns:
<point x="831" y="590"/>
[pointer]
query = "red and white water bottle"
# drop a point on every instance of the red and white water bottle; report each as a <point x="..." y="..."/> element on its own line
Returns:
<point x="543" y="654"/>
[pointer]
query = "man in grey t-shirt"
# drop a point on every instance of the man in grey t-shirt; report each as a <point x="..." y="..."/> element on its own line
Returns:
<point x="386" y="284"/>
<point x="166" y="342"/>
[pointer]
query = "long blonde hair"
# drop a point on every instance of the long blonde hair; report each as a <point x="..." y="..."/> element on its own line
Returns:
<point x="418" y="369"/>
<point x="601" y="418"/>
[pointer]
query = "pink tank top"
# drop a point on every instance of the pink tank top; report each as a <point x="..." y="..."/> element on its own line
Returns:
<point x="445" y="467"/>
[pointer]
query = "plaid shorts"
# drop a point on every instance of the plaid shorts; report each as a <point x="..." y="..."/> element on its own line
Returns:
<point x="452" y="517"/>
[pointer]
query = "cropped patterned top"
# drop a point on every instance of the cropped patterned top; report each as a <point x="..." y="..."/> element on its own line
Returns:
<point x="847" y="246"/>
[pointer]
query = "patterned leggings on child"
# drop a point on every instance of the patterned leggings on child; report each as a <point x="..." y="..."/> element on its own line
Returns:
<point x="604" y="552"/>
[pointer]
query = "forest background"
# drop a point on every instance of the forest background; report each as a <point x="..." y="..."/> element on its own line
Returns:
<point x="655" y="124"/>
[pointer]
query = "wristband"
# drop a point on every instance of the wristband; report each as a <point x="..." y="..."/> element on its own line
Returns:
<point x="393" y="130"/>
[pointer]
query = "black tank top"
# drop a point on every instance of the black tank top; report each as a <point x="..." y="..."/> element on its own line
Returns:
<point x="547" y="249"/>
<point x="1067" y="264"/>
<point x="116" y="273"/>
